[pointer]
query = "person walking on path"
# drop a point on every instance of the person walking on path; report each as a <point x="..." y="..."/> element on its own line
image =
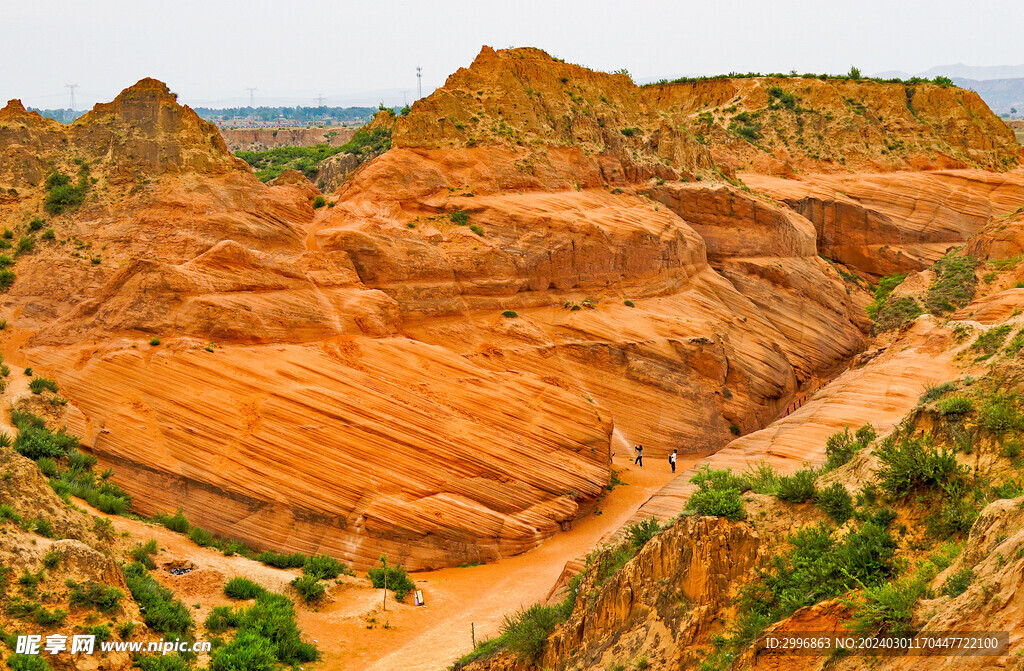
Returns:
<point x="639" y="461"/>
<point x="672" y="460"/>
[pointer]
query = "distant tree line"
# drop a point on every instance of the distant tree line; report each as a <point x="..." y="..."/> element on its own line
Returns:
<point x="300" y="114"/>
<point x="63" y="116"/>
<point x="297" y="114"/>
<point x="854" y="74"/>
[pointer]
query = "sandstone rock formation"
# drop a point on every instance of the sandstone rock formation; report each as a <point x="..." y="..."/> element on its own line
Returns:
<point x="439" y="366"/>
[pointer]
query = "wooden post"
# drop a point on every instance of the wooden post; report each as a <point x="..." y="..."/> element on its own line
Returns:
<point x="385" y="586"/>
<point x="472" y="630"/>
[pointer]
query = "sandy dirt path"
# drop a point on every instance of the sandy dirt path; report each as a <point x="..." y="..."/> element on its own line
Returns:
<point x="482" y="595"/>
<point x="352" y="629"/>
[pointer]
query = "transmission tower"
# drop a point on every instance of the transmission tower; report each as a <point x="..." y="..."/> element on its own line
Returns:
<point x="252" y="95"/>
<point x="320" y="99"/>
<point x="419" y="82"/>
<point x="71" y="91"/>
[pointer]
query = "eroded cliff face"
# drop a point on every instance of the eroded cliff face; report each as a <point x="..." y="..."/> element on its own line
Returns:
<point x="668" y="598"/>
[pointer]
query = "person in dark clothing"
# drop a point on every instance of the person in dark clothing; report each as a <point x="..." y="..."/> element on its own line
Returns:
<point x="672" y="460"/>
<point x="639" y="461"/>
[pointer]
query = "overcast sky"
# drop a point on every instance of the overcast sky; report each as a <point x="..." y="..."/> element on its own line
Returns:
<point x="209" y="51"/>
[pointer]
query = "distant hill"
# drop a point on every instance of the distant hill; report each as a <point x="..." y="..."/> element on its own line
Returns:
<point x="1000" y="86"/>
<point x="1004" y="96"/>
<point x="976" y="72"/>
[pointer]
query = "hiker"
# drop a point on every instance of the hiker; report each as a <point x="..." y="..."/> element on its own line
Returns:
<point x="672" y="460"/>
<point x="639" y="461"/>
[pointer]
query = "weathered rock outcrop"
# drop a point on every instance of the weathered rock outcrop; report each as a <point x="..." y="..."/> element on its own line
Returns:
<point x="262" y="139"/>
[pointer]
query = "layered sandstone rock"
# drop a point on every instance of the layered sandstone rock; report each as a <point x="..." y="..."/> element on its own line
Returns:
<point x="896" y="223"/>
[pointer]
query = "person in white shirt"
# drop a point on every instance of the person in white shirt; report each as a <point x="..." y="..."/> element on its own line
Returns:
<point x="672" y="460"/>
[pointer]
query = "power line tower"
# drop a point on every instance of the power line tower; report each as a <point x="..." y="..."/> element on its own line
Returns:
<point x="419" y="82"/>
<point x="252" y="95"/>
<point x="71" y="91"/>
<point x="320" y="99"/>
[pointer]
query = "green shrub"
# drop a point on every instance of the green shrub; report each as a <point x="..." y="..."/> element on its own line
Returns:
<point x="509" y="314"/>
<point x="629" y="304"/>
<point x="103" y="598"/>
<point x="319" y="202"/>
<point x="888" y="608"/>
<point x="953" y="286"/>
<point x="526" y="633"/>
<point x="394" y="577"/>
<point x="989" y="342"/>
<point x="957" y="583"/>
<point x="7" y="278"/>
<point x="176" y="522"/>
<point x="309" y="588"/>
<point x="26" y="245"/>
<point x="798" y="487"/>
<point x="718" y="494"/>
<point x="816" y="567"/>
<point x="35" y="440"/>
<point x="141" y="554"/>
<point x="50" y="618"/>
<point x="271" y="163"/>
<point x="163" y="663"/>
<point x="48" y="466"/>
<point x="161" y="611"/>
<point x="1000" y="415"/>
<point x="836" y="502"/>
<point x="841" y="446"/>
<point x="910" y="462"/>
<point x="324" y="567"/>
<point x="936" y="391"/>
<point x="220" y="619"/>
<point x="955" y="407"/>
<point x="200" y="537"/>
<point x="43" y="527"/>
<point x="48" y="234"/>
<point x="266" y="626"/>
<point x="882" y="290"/>
<point x="40" y="384"/>
<point x="894" y="313"/>
<point x="638" y="534"/>
<point x="278" y="560"/>
<point x="242" y="588"/>
<point x="762" y="479"/>
<point x="51" y="560"/>
<point x="27" y="663"/>
<point x="460" y="217"/>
